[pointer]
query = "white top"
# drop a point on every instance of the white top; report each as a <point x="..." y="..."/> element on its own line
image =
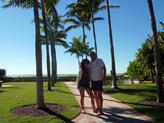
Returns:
<point x="79" y="75"/>
<point x="96" y="70"/>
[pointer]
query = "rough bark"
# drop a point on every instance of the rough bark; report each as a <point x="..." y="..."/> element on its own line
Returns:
<point x="114" y="84"/>
<point x="94" y="33"/>
<point x="84" y="41"/>
<point x="157" y="57"/>
<point x="38" y="52"/>
<point x="47" y="46"/>
<point x="52" y="58"/>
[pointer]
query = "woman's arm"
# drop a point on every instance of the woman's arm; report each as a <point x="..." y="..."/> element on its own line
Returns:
<point x="79" y="76"/>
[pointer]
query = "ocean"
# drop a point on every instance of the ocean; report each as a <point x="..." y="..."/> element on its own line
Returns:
<point x="33" y="75"/>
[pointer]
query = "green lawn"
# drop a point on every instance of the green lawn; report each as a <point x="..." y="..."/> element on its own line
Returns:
<point x="132" y="94"/>
<point x="24" y="93"/>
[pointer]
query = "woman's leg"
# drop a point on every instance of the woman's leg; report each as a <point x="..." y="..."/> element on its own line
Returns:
<point x="81" y="90"/>
<point x="89" y="91"/>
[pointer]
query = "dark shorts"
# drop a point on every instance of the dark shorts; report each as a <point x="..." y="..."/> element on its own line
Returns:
<point x="97" y="85"/>
<point x="83" y="84"/>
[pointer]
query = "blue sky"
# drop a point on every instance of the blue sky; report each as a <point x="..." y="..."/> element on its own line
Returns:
<point x="130" y="27"/>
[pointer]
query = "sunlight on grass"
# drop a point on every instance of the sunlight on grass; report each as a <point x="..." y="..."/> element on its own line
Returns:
<point x="24" y="93"/>
<point x="131" y="94"/>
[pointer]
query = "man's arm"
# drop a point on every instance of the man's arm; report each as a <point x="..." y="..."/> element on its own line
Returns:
<point x="104" y="77"/>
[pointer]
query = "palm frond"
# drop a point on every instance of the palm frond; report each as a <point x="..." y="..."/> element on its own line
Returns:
<point x="110" y="6"/>
<point x="71" y="27"/>
<point x="98" y="18"/>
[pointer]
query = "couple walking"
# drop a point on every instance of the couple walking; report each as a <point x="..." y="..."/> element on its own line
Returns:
<point x="95" y="72"/>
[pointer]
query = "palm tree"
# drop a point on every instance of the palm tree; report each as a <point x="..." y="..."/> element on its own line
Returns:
<point x="114" y="84"/>
<point x="38" y="51"/>
<point x="78" y="48"/>
<point x="47" y="47"/>
<point x="157" y="57"/>
<point x="77" y="20"/>
<point x="40" y="97"/>
<point x="91" y="7"/>
<point x="55" y="38"/>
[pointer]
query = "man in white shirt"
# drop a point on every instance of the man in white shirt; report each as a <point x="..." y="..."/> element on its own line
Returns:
<point x="98" y="76"/>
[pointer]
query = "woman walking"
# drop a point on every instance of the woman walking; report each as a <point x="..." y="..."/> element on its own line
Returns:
<point x="83" y="80"/>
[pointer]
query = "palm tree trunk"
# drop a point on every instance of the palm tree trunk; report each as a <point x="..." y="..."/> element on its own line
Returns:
<point x="55" y="63"/>
<point x="52" y="57"/>
<point x="151" y="72"/>
<point x="157" y="57"/>
<point x="114" y="84"/>
<point x="78" y="61"/>
<point x="94" y="33"/>
<point x="38" y="52"/>
<point x="47" y="47"/>
<point x="84" y="41"/>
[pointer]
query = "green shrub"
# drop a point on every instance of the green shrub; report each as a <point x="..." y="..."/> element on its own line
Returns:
<point x="2" y="74"/>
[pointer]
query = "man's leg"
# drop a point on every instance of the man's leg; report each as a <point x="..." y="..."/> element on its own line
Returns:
<point x="96" y="98"/>
<point x="100" y="99"/>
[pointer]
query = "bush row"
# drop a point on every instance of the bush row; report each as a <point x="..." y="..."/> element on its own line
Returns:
<point x="67" y="78"/>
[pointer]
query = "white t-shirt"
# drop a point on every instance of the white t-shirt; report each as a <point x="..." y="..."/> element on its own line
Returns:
<point x="96" y="70"/>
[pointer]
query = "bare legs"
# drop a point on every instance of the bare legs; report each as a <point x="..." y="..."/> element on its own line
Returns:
<point x="88" y="90"/>
<point x="81" y="90"/>
<point x="99" y="100"/>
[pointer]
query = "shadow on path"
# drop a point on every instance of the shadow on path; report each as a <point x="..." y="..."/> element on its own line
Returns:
<point x="115" y="118"/>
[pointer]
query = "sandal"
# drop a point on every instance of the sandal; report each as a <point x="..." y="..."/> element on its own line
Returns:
<point x="83" y="111"/>
<point x="99" y="113"/>
<point x="96" y="110"/>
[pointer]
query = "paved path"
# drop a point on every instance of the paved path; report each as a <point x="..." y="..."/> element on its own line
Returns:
<point x="114" y="110"/>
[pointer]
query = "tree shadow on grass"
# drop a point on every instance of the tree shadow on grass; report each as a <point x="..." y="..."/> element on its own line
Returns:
<point x="138" y="92"/>
<point x="1" y="91"/>
<point x="57" y="115"/>
<point x="65" y="92"/>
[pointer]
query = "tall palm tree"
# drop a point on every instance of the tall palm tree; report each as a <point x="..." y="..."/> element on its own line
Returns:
<point x="114" y="84"/>
<point x="40" y="97"/>
<point x="47" y="47"/>
<point x="157" y="57"/>
<point x="55" y="38"/>
<point x="38" y="51"/>
<point x="90" y="8"/>
<point x="77" y="20"/>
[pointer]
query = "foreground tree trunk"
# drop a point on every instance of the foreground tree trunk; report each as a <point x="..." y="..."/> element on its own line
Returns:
<point x="114" y="84"/>
<point x="38" y="52"/>
<point x="47" y="47"/>
<point x="157" y="57"/>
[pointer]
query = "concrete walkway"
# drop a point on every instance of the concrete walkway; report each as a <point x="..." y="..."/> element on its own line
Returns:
<point x="114" y="110"/>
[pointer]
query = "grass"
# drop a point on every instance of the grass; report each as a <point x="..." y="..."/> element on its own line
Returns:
<point x="132" y="94"/>
<point x="24" y="93"/>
